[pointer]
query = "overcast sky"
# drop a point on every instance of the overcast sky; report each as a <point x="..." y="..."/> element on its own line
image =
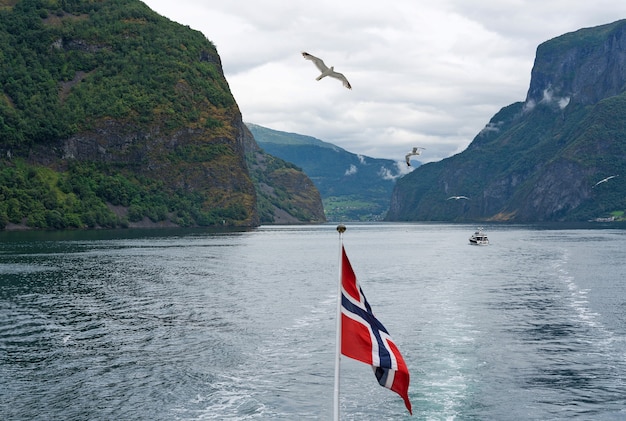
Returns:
<point x="427" y="73"/>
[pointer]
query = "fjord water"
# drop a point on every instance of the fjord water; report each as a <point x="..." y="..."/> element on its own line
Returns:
<point x="198" y="325"/>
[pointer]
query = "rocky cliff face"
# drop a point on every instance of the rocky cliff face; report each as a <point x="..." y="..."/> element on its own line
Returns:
<point x="539" y="160"/>
<point x="584" y="67"/>
<point x="182" y="159"/>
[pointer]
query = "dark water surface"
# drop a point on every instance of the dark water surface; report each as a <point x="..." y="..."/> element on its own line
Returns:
<point x="194" y="325"/>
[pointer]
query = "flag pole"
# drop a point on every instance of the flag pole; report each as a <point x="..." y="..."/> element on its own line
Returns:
<point x="341" y="229"/>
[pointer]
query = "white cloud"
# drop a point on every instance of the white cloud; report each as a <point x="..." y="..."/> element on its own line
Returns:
<point x="549" y="98"/>
<point x="352" y="170"/>
<point x="547" y="95"/>
<point x="430" y="73"/>
<point x="401" y="170"/>
<point x="491" y="127"/>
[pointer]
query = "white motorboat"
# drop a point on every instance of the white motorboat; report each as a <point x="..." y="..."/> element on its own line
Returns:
<point x="479" y="238"/>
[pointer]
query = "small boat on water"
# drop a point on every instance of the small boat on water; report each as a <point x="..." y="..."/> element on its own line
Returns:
<point x="479" y="238"/>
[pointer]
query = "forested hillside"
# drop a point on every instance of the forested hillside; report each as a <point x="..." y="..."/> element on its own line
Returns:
<point x="69" y="64"/>
<point x="112" y="115"/>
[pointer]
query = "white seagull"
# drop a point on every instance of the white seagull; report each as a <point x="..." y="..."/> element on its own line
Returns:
<point x="458" y="197"/>
<point x="415" y="151"/>
<point x="326" y="71"/>
<point x="604" y="180"/>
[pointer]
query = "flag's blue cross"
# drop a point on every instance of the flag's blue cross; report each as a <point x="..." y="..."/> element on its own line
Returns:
<point x="375" y="327"/>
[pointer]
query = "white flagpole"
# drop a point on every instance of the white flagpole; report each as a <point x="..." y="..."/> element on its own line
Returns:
<point x="341" y="229"/>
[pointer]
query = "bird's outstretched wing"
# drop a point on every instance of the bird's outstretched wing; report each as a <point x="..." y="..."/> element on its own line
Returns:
<point x="319" y="63"/>
<point x="342" y="78"/>
<point x="604" y="180"/>
<point x="416" y="151"/>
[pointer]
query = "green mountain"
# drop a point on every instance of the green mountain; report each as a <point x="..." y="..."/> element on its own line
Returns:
<point x="112" y="115"/>
<point x="353" y="187"/>
<point x="285" y="195"/>
<point x="539" y="160"/>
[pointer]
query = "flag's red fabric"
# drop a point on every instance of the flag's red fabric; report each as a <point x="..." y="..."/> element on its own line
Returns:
<point x="365" y="339"/>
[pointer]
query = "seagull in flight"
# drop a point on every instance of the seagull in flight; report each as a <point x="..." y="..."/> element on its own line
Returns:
<point x="604" y="180"/>
<point x="415" y="151"/>
<point x="458" y="197"/>
<point x="326" y="71"/>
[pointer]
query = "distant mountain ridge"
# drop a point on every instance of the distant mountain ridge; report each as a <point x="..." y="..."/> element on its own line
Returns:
<point x="271" y="136"/>
<point x="539" y="160"/>
<point x="352" y="187"/>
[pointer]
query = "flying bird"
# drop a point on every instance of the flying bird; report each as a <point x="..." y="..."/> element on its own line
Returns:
<point x="415" y="151"/>
<point x="326" y="71"/>
<point x="458" y="197"/>
<point x="604" y="180"/>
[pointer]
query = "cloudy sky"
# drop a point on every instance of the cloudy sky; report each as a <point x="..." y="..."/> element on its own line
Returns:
<point x="427" y="73"/>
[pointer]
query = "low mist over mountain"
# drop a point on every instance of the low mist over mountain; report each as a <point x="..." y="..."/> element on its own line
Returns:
<point x="540" y="160"/>
<point x="353" y="187"/>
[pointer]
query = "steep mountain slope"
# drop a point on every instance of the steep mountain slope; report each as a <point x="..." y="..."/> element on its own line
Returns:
<point x="285" y="195"/>
<point x="352" y="187"/>
<point x="111" y="115"/>
<point x="539" y="160"/>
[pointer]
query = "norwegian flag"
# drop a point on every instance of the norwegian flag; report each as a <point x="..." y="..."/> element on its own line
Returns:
<point x="365" y="339"/>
